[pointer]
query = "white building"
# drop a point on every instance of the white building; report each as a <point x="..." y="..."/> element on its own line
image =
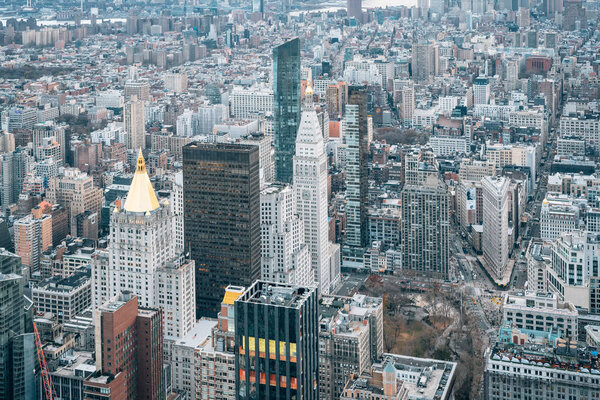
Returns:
<point x="481" y="91"/>
<point x="521" y="155"/>
<point x="285" y="256"/>
<point x="113" y="132"/>
<point x="141" y="257"/>
<point x="265" y="155"/>
<point x="176" y="82"/>
<point x="581" y="127"/>
<point x="558" y="215"/>
<point x="448" y="145"/>
<point x="540" y="311"/>
<point x="310" y="185"/>
<point x="568" y="146"/>
<point x="574" y="264"/>
<point x="247" y="103"/>
<point x="539" y="256"/>
<point x="110" y="99"/>
<point x="448" y="103"/>
<point x="495" y="242"/>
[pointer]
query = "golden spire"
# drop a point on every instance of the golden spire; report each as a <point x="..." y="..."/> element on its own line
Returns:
<point x="141" y="196"/>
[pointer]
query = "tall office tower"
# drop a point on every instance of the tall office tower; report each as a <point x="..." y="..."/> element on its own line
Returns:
<point x="337" y="96"/>
<point x="310" y="185"/>
<point x="354" y="10"/>
<point x="14" y="167"/>
<point x="406" y="98"/>
<point x="134" y="123"/>
<point x="286" y="106"/>
<point x="357" y="149"/>
<point x="221" y="191"/>
<point x="479" y="7"/>
<point x="285" y="256"/>
<point x="54" y="133"/>
<point x="129" y="351"/>
<point x="75" y="191"/>
<point x="495" y="224"/>
<point x="17" y="346"/>
<point x="277" y="358"/>
<point x="7" y="142"/>
<point x="258" y="6"/>
<point x="149" y="265"/>
<point x="481" y="91"/>
<point x="574" y="16"/>
<point x="5" y="238"/>
<point x="425" y="228"/>
<point x="33" y="236"/>
<point x="552" y="7"/>
<point x="512" y="74"/>
<point x="437" y="7"/>
<point x="137" y="88"/>
<point x="424" y="61"/>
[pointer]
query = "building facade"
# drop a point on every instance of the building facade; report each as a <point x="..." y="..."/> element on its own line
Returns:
<point x="221" y="188"/>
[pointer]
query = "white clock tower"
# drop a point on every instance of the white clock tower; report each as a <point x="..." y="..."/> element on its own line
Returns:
<point x="310" y="185"/>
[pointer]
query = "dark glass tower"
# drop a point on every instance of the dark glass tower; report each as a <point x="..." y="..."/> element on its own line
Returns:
<point x="357" y="153"/>
<point x="221" y="192"/>
<point x="276" y="342"/>
<point x="17" y="346"/>
<point x="286" y="107"/>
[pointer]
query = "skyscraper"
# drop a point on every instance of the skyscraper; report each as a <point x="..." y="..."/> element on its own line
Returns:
<point x="356" y="140"/>
<point x="221" y="191"/>
<point x="285" y="256"/>
<point x="425" y="61"/>
<point x="286" y="106"/>
<point x="149" y="264"/>
<point x="495" y="224"/>
<point x="75" y="190"/>
<point x="135" y="123"/>
<point x="17" y="347"/>
<point x="277" y="344"/>
<point x="33" y="236"/>
<point x="258" y="6"/>
<point x="481" y="91"/>
<point x="129" y="351"/>
<point x="48" y="135"/>
<point x="425" y="228"/>
<point x="310" y="185"/>
<point x="14" y="167"/>
<point x="354" y="10"/>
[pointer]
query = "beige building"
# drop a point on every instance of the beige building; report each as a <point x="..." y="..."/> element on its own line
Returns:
<point x="135" y="124"/>
<point x="75" y="190"/>
<point x="33" y="236"/>
<point x="350" y="340"/>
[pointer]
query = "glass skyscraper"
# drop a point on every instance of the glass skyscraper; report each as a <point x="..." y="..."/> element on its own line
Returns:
<point x="221" y="191"/>
<point x="357" y="153"/>
<point x="286" y="107"/>
<point x="276" y="342"/>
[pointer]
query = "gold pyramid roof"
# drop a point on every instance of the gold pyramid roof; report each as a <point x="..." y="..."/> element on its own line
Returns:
<point x="141" y="196"/>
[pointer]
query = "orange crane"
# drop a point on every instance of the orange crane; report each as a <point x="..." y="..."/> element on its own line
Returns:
<point x="48" y="385"/>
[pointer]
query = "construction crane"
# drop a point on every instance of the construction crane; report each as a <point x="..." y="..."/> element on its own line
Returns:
<point x="48" y="386"/>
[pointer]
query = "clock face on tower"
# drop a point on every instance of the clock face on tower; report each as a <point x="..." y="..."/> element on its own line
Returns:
<point x="306" y="195"/>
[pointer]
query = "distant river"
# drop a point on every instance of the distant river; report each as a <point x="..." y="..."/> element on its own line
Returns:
<point x="336" y="5"/>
